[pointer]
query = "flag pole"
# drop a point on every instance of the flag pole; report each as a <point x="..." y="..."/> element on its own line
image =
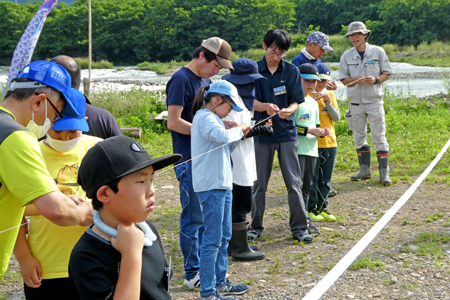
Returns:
<point x="90" y="48"/>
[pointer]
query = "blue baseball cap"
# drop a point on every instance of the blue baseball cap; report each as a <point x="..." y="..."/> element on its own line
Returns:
<point x="309" y="71"/>
<point x="44" y="73"/>
<point x="324" y="71"/>
<point x="245" y="71"/>
<point x="226" y="88"/>
<point x="74" y="123"/>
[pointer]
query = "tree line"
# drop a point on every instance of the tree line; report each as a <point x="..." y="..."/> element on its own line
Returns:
<point x="133" y="31"/>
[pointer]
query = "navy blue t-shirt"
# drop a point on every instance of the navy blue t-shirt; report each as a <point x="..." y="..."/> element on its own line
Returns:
<point x="302" y="59"/>
<point x="181" y="90"/>
<point x="288" y="81"/>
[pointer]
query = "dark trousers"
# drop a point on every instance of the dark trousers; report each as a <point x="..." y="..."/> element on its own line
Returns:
<point x="242" y="203"/>
<point x="318" y="199"/>
<point x="52" y="289"/>
<point x="307" y="169"/>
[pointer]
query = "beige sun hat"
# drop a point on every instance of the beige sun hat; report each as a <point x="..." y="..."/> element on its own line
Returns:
<point x="357" y="27"/>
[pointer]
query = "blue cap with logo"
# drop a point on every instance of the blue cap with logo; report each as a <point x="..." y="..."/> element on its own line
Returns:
<point x="226" y="88"/>
<point x="320" y="39"/>
<point x="74" y="123"/>
<point x="324" y="71"/>
<point x="309" y="71"/>
<point x="44" y="73"/>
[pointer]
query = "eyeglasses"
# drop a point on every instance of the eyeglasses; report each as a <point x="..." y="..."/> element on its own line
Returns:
<point x="272" y="53"/>
<point x="59" y="115"/>
<point x="231" y="105"/>
<point x="355" y="34"/>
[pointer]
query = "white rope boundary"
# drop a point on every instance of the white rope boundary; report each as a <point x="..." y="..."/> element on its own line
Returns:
<point x="330" y="278"/>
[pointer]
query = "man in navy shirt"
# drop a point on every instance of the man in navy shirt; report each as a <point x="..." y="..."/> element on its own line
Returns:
<point x="213" y="55"/>
<point x="282" y="93"/>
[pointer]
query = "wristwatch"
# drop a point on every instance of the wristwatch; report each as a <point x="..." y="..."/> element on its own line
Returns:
<point x="377" y="80"/>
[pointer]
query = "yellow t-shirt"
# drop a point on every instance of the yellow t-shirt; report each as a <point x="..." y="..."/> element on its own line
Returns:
<point x="23" y="178"/>
<point x="326" y="122"/>
<point x="51" y="244"/>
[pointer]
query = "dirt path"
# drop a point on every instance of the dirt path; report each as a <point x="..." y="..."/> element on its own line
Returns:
<point x="290" y="269"/>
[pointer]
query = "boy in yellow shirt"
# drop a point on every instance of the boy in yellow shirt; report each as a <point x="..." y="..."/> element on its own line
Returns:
<point x="328" y="113"/>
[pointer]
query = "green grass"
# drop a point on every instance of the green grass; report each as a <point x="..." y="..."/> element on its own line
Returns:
<point x="160" y="67"/>
<point x="103" y="64"/>
<point x="365" y="262"/>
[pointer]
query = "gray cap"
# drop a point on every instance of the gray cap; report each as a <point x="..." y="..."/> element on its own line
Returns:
<point x="320" y="39"/>
<point x="357" y="27"/>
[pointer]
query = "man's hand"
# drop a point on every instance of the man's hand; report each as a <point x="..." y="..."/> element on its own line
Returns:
<point x="371" y="80"/>
<point x="284" y="113"/>
<point x="272" y="109"/>
<point x="229" y="124"/>
<point x="87" y="209"/>
<point x="361" y="80"/>
<point x="129" y="240"/>
<point x="331" y="85"/>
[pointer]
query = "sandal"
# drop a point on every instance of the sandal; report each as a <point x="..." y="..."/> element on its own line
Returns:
<point x="252" y="235"/>
<point x="306" y="238"/>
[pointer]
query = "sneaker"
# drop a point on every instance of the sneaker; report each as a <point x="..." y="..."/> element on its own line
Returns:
<point x="193" y="283"/>
<point x="252" y="235"/>
<point x="217" y="296"/>
<point x="313" y="229"/>
<point x="327" y="216"/>
<point x="315" y="216"/>
<point x="306" y="238"/>
<point x="332" y="193"/>
<point x="232" y="289"/>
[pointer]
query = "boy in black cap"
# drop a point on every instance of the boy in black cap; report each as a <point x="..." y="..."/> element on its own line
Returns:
<point x="121" y="247"/>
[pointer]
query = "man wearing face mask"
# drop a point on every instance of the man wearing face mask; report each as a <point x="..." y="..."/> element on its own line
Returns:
<point x="47" y="249"/>
<point x="39" y="96"/>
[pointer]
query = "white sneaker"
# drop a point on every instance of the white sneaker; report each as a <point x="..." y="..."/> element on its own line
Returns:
<point x="191" y="284"/>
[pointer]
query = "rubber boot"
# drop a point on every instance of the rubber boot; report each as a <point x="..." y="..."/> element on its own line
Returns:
<point x="364" y="164"/>
<point x="383" y="159"/>
<point x="238" y="245"/>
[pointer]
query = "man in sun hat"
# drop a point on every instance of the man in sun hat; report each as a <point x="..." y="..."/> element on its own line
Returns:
<point x="212" y="55"/>
<point x="316" y="45"/>
<point x="39" y="96"/>
<point x="363" y="69"/>
<point x="244" y="77"/>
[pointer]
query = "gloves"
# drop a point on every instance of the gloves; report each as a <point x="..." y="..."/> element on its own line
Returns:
<point x="259" y="130"/>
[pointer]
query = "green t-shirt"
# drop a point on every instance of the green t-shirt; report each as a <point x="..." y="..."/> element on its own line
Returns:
<point x="307" y="115"/>
<point x="23" y="178"/>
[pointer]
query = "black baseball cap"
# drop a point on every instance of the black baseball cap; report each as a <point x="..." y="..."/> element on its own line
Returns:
<point x="309" y="71"/>
<point x="114" y="158"/>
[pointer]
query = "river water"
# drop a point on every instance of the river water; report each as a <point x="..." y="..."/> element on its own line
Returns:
<point x="129" y="77"/>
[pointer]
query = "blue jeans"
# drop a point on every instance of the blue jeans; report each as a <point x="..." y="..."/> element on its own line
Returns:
<point x="216" y="211"/>
<point x="191" y="223"/>
<point x="322" y="179"/>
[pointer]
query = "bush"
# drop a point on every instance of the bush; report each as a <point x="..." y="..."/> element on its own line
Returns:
<point x="390" y="48"/>
<point x="255" y="54"/>
<point x="103" y="64"/>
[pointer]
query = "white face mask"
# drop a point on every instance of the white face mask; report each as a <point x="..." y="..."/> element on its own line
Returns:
<point x="39" y="130"/>
<point x="63" y="146"/>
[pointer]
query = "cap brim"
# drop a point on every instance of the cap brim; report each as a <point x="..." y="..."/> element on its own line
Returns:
<point x="328" y="48"/>
<point x="157" y="163"/>
<point x="72" y="96"/>
<point x="224" y="63"/>
<point x="68" y="123"/>
<point x="310" y="76"/>
<point x="325" y="76"/>
<point x="242" y="79"/>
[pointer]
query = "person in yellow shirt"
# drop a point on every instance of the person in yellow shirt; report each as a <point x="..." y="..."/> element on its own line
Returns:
<point x="36" y="99"/>
<point x="44" y="256"/>
<point x="328" y="113"/>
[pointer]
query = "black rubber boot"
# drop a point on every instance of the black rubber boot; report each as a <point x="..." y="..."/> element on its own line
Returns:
<point x="238" y="245"/>
<point x="383" y="159"/>
<point x="364" y="164"/>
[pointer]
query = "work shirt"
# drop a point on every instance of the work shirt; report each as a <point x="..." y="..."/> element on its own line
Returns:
<point x="282" y="88"/>
<point x="374" y="63"/>
<point x="23" y="178"/>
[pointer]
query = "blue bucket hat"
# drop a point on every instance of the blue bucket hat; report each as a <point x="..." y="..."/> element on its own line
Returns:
<point x="320" y="39"/>
<point x="245" y="71"/>
<point x="226" y="88"/>
<point x="309" y="71"/>
<point x="44" y="73"/>
<point x="324" y="71"/>
<point x="74" y="123"/>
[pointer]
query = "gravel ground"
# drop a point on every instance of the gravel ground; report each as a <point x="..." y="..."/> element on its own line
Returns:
<point x="404" y="267"/>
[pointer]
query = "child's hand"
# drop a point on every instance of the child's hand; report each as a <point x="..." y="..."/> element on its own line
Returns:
<point x="326" y="98"/>
<point x="327" y="132"/>
<point x="244" y="128"/>
<point x="269" y="123"/>
<point x="229" y="124"/>
<point x="31" y="271"/>
<point x="316" y="131"/>
<point x="331" y="85"/>
<point x="129" y="241"/>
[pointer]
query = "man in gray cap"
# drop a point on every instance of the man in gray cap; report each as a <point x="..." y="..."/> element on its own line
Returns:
<point x="316" y="45"/>
<point x="362" y="69"/>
